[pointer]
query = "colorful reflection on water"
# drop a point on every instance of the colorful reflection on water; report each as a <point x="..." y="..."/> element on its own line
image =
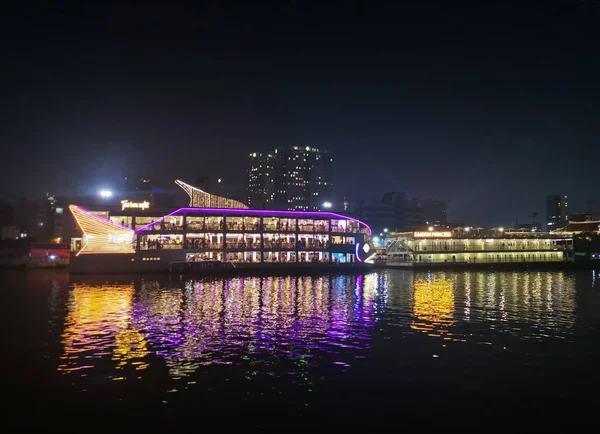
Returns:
<point x="203" y="322"/>
<point x="98" y="325"/>
<point x="304" y="327"/>
<point x="433" y="305"/>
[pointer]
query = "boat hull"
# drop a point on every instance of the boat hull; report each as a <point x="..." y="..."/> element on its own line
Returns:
<point x="173" y="261"/>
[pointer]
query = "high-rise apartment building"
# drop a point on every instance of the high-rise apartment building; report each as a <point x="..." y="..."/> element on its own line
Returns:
<point x="260" y="191"/>
<point x="291" y="178"/>
<point x="556" y="211"/>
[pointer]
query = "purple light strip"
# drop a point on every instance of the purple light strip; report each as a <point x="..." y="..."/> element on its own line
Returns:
<point x="261" y="212"/>
<point x="93" y="214"/>
<point x="358" y="257"/>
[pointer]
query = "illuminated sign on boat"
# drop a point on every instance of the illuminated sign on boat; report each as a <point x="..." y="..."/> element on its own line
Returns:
<point x="433" y="234"/>
<point x="137" y="205"/>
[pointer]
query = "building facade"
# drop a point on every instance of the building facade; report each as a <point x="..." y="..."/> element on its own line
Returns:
<point x="398" y="213"/>
<point x="557" y="210"/>
<point x="44" y="218"/>
<point x="260" y="191"/>
<point x="291" y="178"/>
<point x="10" y="232"/>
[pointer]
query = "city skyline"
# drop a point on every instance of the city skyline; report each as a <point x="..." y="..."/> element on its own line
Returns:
<point x="491" y="119"/>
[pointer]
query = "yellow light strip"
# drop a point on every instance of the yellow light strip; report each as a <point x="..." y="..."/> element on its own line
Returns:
<point x="202" y="199"/>
<point x="101" y="235"/>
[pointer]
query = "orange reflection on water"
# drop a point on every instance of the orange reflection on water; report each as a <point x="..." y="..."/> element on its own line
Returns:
<point x="433" y="307"/>
<point x="98" y="324"/>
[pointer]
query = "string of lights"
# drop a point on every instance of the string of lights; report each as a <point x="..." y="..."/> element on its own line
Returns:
<point x="202" y="199"/>
<point x="101" y="235"/>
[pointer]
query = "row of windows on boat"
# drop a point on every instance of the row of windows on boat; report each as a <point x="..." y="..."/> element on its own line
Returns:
<point x="289" y="225"/>
<point x="301" y="244"/>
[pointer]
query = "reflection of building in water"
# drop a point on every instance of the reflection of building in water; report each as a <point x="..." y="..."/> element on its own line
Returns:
<point x="220" y="321"/>
<point x="98" y="324"/>
<point x="535" y="299"/>
<point x="258" y="320"/>
<point x="530" y="305"/>
<point x="433" y="307"/>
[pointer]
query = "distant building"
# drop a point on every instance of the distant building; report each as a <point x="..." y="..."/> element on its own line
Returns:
<point x="594" y="207"/>
<point x="378" y="216"/>
<point x="409" y="212"/>
<point x="64" y="227"/>
<point x="62" y="219"/>
<point x="10" y="232"/>
<point x="54" y="222"/>
<point x="25" y="215"/>
<point x="7" y="213"/>
<point x="556" y="211"/>
<point x="398" y="213"/>
<point x="291" y="178"/>
<point x="434" y="212"/>
<point x="260" y="193"/>
<point x="44" y="218"/>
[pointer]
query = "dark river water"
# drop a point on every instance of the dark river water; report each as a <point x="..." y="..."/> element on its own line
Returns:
<point x="390" y="350"/>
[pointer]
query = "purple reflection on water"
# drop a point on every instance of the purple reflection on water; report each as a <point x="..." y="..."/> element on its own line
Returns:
<point x="242" y="320"/>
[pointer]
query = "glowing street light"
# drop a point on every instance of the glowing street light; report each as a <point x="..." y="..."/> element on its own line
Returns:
<point x="385" y="230"/>
<point x="430" y="228"/>
<point x="327" y="205"/>
<point x="105" y="193"/>
<point x="501" y="229"/>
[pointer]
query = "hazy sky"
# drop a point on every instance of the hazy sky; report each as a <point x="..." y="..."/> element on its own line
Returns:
<point x="490" y="107"/>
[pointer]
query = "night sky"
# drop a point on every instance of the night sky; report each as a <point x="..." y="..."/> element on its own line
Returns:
<point x="490" y="108"/>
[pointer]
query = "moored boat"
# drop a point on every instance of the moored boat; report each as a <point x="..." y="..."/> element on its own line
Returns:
<point x="201" y="238"/>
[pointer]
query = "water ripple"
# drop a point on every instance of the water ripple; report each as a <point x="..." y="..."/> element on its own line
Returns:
<point x="119" y="331"/>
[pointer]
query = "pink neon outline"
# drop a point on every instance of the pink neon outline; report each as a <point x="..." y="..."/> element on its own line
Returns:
<point x="84" y="211"/>
<point x="260" y="212"/>
<point x="358" y="257"/>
